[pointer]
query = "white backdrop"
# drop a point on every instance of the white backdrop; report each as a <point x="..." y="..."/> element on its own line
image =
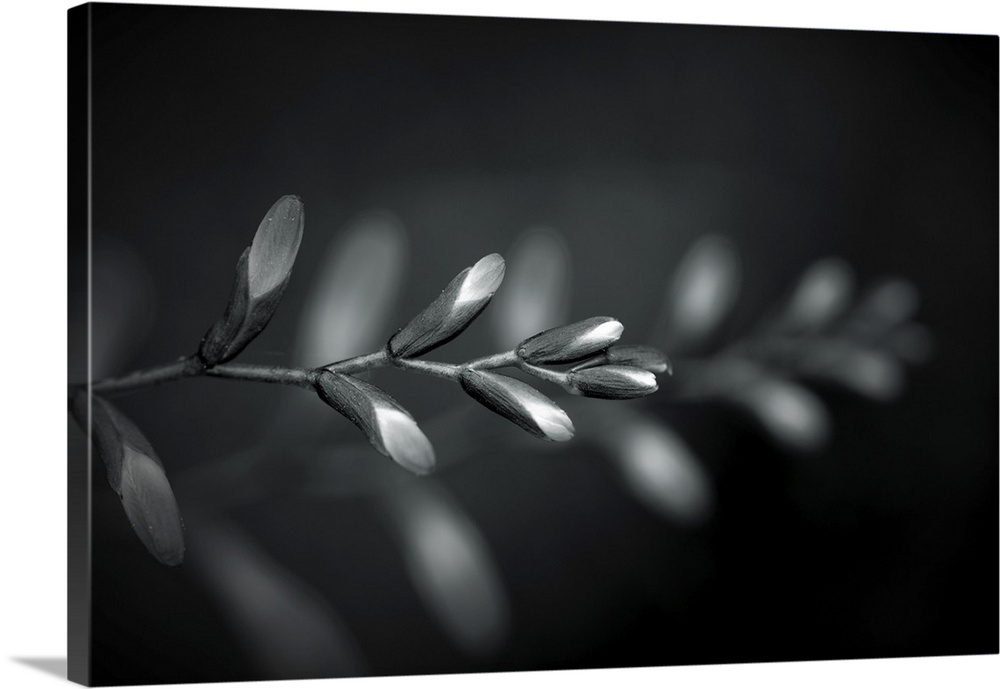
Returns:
<point x="33" y="608"/>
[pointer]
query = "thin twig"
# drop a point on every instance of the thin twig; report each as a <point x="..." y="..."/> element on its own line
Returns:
<point x="186" y="367"/>
<point x="265" y="374"/>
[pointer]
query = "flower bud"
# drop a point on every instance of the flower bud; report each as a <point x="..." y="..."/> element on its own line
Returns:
<point x="262" y="274"/>
<point x="136" y="474"/>
<point x="518" y="402"/>
<point x="570" y="342"/>
<point x="390" y="428"/>
<point x="640" y="356"/>
<point x="612" y="382"/>
<point x="452" y="312"/>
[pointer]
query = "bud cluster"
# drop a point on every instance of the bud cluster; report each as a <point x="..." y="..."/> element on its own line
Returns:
<point x="600" y="368"/>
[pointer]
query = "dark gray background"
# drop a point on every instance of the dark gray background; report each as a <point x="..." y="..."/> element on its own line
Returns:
<point x="633" y="140"/>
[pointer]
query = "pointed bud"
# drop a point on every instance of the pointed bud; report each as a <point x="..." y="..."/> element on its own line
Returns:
<point x="136" y="474"/>
<point x="390" y="428"/>
<point x="640" y="356"/>
<point x="151" y="507"/>
<point x="518" y="402"/>
<point x="452" y="312"/>
<point x="612" y="382"/>
<point x="570" y="342"/>
<point x="262" y="275"/>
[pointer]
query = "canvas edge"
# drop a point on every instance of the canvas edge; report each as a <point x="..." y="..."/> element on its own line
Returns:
<point x="78" y="668"/>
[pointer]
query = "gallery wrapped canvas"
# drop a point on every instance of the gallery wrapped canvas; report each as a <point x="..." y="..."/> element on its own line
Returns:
<point x="407" y="345"/>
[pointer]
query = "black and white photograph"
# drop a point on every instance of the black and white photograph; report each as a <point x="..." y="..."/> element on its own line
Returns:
<point x="411" y="344"/>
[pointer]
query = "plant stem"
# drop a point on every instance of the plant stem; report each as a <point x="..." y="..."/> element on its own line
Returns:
<point x="186" y="367"/>
<point x="432" y="368"/>
<point x="192" y="366"/>
<point x="543" y="373"/>
<point x="499" y="360"/>
<point x="365" y="362"/>
<point x="265" y="374"/>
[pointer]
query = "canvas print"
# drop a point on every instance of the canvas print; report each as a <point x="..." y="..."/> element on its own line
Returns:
<point x="420" y="344"/>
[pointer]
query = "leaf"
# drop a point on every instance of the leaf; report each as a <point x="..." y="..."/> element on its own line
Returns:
<point x="454" y="309"/>
<point x="390" y="428"/>
<point x="451" y="567"/>
<point x="136" y="475"/>
<point x="536" y="291"/>
<point x="702" y="293"/>
<point x="518" y="402"/>
<point x="287" y="628"/>
<point x="660" y="470"/>
<point x="354" y="291"/>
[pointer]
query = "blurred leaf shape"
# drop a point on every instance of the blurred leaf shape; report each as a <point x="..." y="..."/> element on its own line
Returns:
<point x="892" y="301"/>
<point x="451" y="566"/>
<point x="823" y="293"/>
<point x="788" y="412"/>
<point x="136" y="474"/>
<point x="867" y="372"/>
<point x="660" y="470"/>
<point x="536" y="294"/>
<point x="459" y="303"/>
<point x="702" y="293"/>
<point x="287" y="628"/>
<point x="912" y="342"/>
<point x="887" y="305"/>
<point x="123" y="307"/>
<point x="355" y="289"/>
